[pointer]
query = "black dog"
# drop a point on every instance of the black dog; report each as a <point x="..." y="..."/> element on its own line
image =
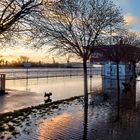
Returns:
<point x="47" y="94"/>
<point x="48" y="97"/>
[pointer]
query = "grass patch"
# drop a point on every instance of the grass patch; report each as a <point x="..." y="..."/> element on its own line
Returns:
<point x="11" y="128"/>
<point x="2" y="129"/>
<point x="22" y="114"/>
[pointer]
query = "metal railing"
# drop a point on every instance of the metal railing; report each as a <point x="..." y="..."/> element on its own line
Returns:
<point x="45" y="73"/>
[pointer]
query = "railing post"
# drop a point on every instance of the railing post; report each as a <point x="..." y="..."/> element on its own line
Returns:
<point x="2" y="84"/>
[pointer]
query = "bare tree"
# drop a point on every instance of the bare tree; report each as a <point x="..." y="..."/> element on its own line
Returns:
<point x="22" y="59"/>
<point x="130" y="38"/>
<point x="68" y="57"/>
<point x="13" y="14"/>
<point x="74" y="26"/>
<point x="126" y="37"/>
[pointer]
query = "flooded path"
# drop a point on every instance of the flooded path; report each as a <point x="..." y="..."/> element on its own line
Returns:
<point x="70" y="120"/>
<point x="23" y="93"/>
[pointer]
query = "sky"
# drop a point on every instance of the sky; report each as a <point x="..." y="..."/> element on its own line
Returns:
<point x="130" y="11"/>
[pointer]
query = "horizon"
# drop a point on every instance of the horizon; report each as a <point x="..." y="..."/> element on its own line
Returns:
<point x="130" y="11"/>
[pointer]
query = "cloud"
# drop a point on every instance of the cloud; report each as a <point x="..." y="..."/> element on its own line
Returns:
<point x="131" y="20"/>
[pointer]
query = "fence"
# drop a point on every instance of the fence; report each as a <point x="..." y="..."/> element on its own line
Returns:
<point x="41" y="73"/>
<point x="46" y="73"/>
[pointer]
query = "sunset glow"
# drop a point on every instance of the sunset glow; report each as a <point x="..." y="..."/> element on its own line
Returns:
<point x="131" y="14"/>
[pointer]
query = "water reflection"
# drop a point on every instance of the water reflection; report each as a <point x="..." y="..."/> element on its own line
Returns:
<point x="85" y="120"/>
<point x="127" y="93"/>
<point x="109" y="93"/>
<point x="61" y="87"/>
<point x="96" y="121"/>
<point x="125" y="126"/>
<point x="127" y="86"/>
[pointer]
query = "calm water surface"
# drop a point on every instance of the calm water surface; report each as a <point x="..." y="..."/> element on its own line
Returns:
<point x="29" y="92"/>
<point x="96" y="121"/>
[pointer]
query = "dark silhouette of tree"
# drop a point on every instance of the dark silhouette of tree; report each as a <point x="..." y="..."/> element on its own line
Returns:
<point x="13" y="15"/>
<point x="74" y="26"/>
<point x="22" y="59"/>
<point x="53" y="60"/>
<point x="130" y="38"/>
<point x="68" y="57"/>
<point x="133" y="56"/>
<point x="126" y="38"/>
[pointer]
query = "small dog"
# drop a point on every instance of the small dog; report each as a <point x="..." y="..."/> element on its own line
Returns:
<point x="47" y="94"/>
<point x="48" y="97"/>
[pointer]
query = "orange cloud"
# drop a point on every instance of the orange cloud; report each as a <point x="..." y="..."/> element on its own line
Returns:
<point x="130" y="20"/>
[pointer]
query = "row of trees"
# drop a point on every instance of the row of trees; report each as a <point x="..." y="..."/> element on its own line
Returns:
<point x="71" y="26"/>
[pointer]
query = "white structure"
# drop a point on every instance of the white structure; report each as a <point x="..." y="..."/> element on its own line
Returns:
<point x="109" y="69"/>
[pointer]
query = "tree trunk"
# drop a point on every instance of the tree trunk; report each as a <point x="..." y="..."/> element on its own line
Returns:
<point x="134" y="69"/>
<point x="85" y="98"/>
<point x="85" y="80"/>
<point x="118" y="89"/>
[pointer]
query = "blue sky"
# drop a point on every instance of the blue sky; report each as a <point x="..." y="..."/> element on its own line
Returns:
<point x="130" y="10"/>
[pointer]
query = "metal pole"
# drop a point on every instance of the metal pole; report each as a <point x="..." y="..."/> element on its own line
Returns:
<point x="27" y="79"/>
<point x="90" y="76"/>
<point x="118" y="89"/>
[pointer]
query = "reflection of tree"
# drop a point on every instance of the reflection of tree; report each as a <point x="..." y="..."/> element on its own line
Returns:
<point x="127" y="98"/>
<point x="85" y="131"/>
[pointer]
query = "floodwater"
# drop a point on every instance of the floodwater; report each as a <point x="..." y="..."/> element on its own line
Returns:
<point x="101" y="119"/>
<point x="29" y="92"/>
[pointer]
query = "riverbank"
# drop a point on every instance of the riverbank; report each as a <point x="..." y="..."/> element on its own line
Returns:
<point x="69" y="120"/>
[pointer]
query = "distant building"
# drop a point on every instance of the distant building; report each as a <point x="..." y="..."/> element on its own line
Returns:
<point x="76" y="65"/>
<point x="110" y="55"/>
